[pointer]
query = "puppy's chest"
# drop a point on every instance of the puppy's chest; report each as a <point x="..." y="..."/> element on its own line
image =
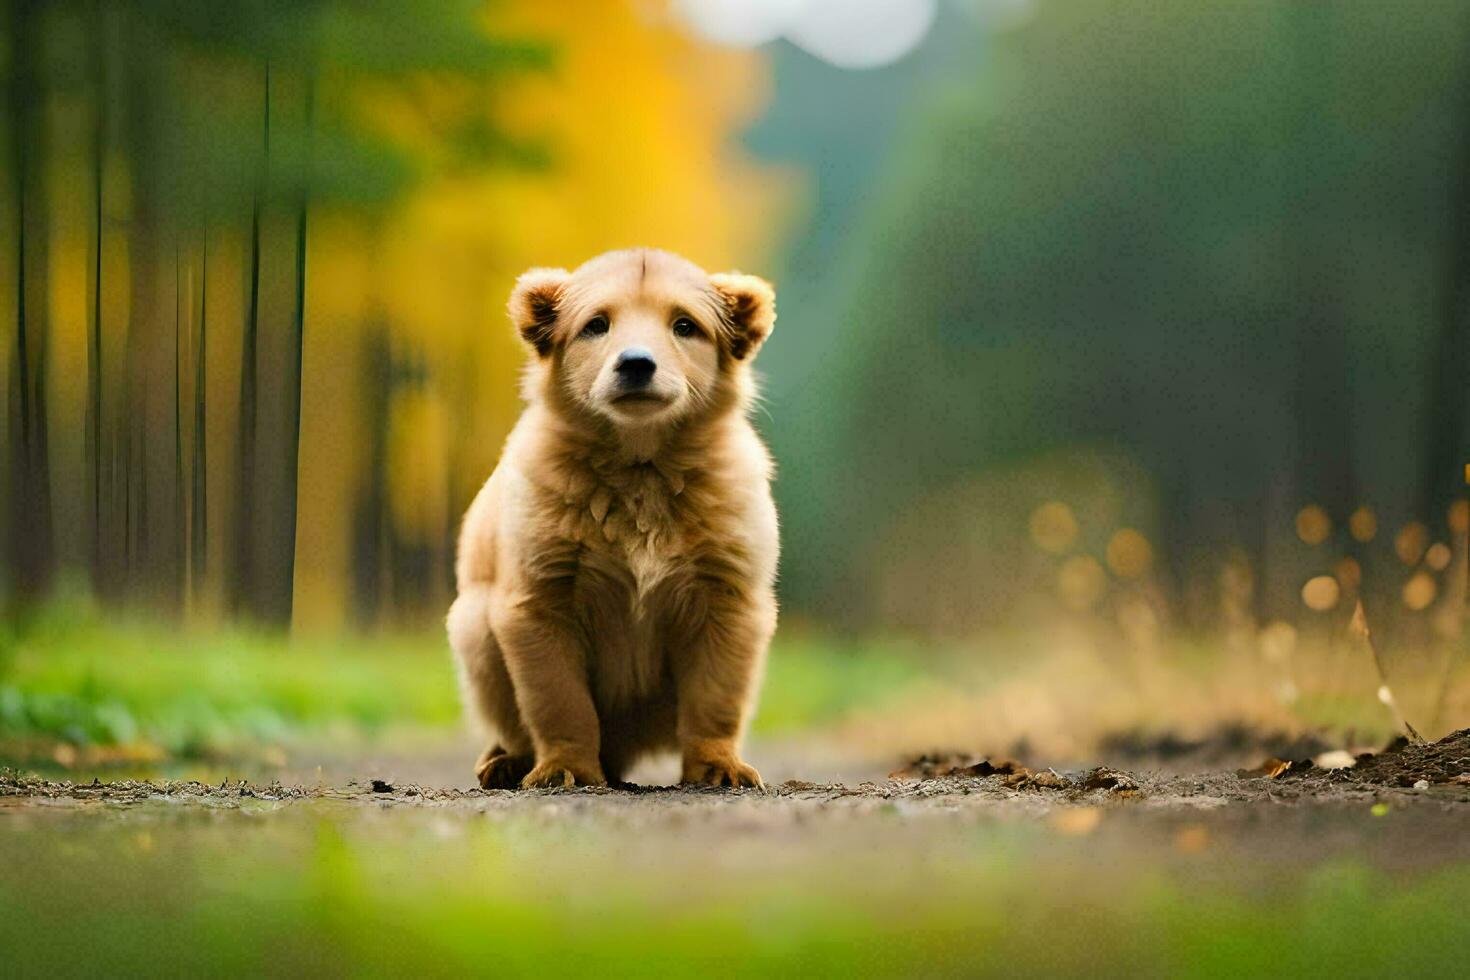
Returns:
<point x="635" y="553"/>
<point x="636" y="530"/>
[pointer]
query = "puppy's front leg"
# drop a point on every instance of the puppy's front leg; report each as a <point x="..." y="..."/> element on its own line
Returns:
<point x="715" y="677"/>
<point x="549" y="671"/>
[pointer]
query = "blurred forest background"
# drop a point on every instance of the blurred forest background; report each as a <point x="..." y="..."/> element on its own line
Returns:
<point x="1124" y="334"/>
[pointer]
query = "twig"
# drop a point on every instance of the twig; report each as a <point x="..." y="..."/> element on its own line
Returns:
<point x="1359" y="625"/>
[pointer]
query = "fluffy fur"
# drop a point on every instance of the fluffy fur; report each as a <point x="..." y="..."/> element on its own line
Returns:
<point x="616" y="573"/>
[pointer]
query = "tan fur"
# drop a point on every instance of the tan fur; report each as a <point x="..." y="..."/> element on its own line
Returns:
<point x="617" y="571"/>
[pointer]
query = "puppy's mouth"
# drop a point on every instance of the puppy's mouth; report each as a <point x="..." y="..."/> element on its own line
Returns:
<point x="640" y="398"/>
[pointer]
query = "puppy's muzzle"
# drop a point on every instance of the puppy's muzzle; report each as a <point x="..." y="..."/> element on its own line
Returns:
<point x="635" y="367"/>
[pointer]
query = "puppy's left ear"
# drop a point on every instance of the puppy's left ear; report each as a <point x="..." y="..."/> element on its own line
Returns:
<point x="750" y="310"/>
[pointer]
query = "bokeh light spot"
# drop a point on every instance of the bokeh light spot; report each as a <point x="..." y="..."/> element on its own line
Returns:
<point x="846" y="33"/>
<point x="1438" y="556"/>
<point x="1081" y="582"/>
<point x="1363" y="524"/>
<point x="739" y="23"/>
<point x="862" y="33"/>
<point x="1053" y="527"/>
<point x="1419" y="591"/>
<point x="1459" y="516"/>
<point x="1312" y="524"/>
<point x="1129" y="553"/>
<point x="1321" y="593"/>
<point x="1349" y="574"/>
<point x="1410" y="542"/>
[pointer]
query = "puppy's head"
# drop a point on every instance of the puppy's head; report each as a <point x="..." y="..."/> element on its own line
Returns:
<point x="642" y="337"/>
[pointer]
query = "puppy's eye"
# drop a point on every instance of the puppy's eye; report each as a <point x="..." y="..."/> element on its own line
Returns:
<point x="596" y="327"/>
<point x="685" y="327"/>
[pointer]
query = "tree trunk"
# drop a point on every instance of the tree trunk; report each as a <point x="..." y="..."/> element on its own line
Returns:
<point x="244" y="529"/>
<point x="30" y="503"/>
<point x="199" y="497"/>
<point x="1447" y="411"/>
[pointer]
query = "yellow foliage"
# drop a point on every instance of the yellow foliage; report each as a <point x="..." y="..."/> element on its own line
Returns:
<point x="640" y="124"/>
<point x="418" y="445"/>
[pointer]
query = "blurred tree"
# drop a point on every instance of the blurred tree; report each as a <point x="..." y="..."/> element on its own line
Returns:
<point x="1446" y="425"/>
<point x="282" y="237"/>
<point x="197" y="114"/>
<point x="28" y="457"/>
<point x="1201" y="234"/>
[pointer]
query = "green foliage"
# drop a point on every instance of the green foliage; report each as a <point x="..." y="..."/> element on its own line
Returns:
<point x="221" y="102"/>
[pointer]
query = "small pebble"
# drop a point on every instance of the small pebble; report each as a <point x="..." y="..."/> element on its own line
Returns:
<point x="1422" y="784"/>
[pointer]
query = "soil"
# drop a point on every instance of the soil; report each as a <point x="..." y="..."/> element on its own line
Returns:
<point x="1403" y="772"/>
<point x="1407" y="764"/>
<point x="1092" y="870"/>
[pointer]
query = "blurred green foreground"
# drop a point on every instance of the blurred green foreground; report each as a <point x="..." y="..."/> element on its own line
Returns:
<point x="723" y="887"/>
<point x="649" y="884"/>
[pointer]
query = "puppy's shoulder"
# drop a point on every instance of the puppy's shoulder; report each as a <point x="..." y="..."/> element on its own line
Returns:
<point x="492" y="521"/>
<point x="744" y="456"/>
<point x="475" y="556"/>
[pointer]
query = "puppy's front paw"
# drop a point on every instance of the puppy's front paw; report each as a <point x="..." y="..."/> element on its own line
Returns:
<point x="725" y="771"/>
<point x="554" y="773"/>
<point x="498" y="769"/>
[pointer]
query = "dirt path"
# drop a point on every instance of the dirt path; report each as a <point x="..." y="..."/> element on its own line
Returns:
<point x="1409" y="776"/>
<point x="1007" y="871"/>
<point x="1136" y="820"/>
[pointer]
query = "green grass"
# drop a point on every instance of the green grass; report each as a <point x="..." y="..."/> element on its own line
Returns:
<point x="73" y="676"/>
<point x="812" y="679"/>
<point x="92" y="681"/>
<point x="315" y="888"/>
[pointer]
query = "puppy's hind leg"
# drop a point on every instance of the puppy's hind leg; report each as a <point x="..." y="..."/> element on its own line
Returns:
<point x="488" y="693"/>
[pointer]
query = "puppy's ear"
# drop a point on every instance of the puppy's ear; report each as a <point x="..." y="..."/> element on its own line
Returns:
<point x="533" y="306"/>
<point x="750" y="310"/>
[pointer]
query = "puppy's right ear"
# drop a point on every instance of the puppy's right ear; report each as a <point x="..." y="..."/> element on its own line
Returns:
<point x="533" y="306"/>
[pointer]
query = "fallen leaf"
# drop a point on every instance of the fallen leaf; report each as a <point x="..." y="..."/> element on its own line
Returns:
<point x="1017" y="778"/>
<point x="1110" y="779"/>
<point x="1024" y="778"/>
<point x="1272" y="768"/>
<point x="1046" y="779"/>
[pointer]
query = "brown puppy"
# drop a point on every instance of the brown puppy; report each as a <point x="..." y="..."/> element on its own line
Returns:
<point x="617" y="571"/>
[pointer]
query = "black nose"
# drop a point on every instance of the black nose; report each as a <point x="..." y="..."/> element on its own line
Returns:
<point x="635" y="367"/>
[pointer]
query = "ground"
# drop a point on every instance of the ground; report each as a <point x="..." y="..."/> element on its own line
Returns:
<point x="218" y="802"/>
<point x="942" y="868"/>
